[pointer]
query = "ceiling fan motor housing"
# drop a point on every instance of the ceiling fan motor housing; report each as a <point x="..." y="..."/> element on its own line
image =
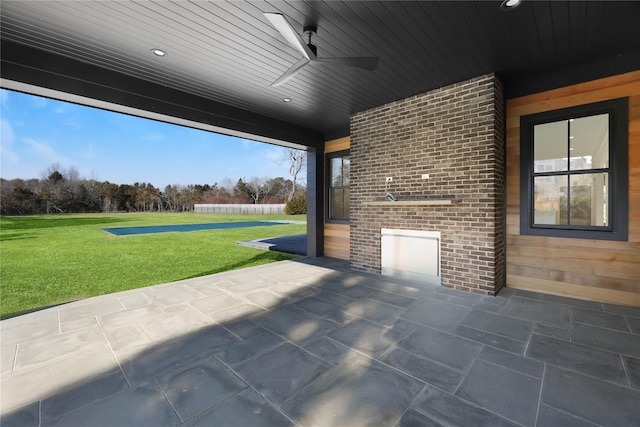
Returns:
<point x="310" y="30"/>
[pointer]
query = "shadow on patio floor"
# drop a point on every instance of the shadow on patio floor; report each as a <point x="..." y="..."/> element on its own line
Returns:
<point x="312" y="343"/>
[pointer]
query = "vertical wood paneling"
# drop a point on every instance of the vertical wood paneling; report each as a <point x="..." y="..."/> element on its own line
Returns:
<point x="337" y="236"/>
<point x="590" y="269"/>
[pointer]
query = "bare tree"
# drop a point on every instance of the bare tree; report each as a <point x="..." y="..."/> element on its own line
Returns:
<point x="297" y="161"/>
<point x="257" y="188"/>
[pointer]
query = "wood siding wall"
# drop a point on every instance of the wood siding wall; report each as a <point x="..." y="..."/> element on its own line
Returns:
<point x="599" y="270"/>
<point x="336" y="236"/>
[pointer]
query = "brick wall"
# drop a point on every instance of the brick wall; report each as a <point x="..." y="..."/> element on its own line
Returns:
<point x="456" y="135"/>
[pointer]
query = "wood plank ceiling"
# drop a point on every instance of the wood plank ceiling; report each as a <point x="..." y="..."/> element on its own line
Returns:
<point x="228" y="52"/>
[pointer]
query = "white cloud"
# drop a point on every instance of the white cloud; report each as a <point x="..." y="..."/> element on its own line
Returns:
<point x="6" y="143"/>
<point x="274" y="155"/>
<point x="4" y="98"/>
<point x="45" y="151"/>
<point x="38" y="102"/>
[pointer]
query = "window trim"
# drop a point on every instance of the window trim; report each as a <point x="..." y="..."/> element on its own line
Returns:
<point x="618" y="110"/>
<point x="328" y="186"/>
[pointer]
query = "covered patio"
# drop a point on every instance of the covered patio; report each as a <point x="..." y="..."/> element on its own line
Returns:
<point x="447" y="123"/>
<point x="313" y="343"/>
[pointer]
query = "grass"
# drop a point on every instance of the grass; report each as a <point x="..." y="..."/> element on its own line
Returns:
<point x="53" y="259"/>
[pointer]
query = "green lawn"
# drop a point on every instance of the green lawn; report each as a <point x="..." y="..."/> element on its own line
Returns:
<point x="51" y="259"/>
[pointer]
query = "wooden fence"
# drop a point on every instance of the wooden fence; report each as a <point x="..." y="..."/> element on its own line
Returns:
<point x="266" y="209"/>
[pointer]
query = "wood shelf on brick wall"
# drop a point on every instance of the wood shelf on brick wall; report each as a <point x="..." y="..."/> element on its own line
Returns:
<point x="399" y="203"/>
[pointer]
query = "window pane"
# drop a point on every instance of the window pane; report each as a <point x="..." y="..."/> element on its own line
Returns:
<point x="336" y="172"/>
<point x="588" y="199"/>
<point x="589" y="142"/>
<point x="550" y="146"/>
<point x="550" y="200"/>
<point x="346" y="170"/>
<point x="337" y="203"/>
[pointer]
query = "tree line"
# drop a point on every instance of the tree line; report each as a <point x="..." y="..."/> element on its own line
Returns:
<point x="62" y="190"/>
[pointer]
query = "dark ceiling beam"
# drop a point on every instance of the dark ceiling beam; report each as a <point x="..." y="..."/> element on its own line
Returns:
<point x="50" y="71"/>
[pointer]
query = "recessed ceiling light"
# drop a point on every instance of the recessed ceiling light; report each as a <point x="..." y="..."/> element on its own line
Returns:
<point x="286" y="99"/>
<point x="159" y="52"/>
<point x="510" y="4"/>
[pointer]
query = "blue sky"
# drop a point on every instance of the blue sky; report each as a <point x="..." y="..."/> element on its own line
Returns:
<point x="37" y="132"/>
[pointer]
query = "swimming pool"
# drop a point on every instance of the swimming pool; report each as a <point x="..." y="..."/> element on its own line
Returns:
<point x="182" y="228"/>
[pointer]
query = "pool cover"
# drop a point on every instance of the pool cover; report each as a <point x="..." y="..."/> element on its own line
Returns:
<point x="181" y="228"/>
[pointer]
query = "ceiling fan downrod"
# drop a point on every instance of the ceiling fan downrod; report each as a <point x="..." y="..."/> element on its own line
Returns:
<point x="310" y="30"/>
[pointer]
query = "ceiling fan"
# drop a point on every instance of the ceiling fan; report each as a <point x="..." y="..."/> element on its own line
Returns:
<point x="310" y="51"/>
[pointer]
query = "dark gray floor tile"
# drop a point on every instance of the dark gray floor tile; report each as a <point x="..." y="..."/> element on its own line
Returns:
<point x="632" y="364"/>
<point x="619" y="309"/>
<point x="516" y="329"/>
<point x="589" y="305"/>
<point x="539" y="311"/>
<point x="139" y="366"/>
<point x="393" y="299"/>
<point x="198" y="386"/>
<point x="358" y="291"/>
<point x="280" y="372"/>
<point x="244" y="328"/>
<point x="405" y="288"/>
<point x="457" y="299"/>
<point x="470" y="296"/>
<point x="599" y="318"/>
<point x="83" y="394"/>
<point x="295" y="324"/>
<point x="551" y="417"/>
<point x="242" y="351"/>
<point x="506" y="293"/>
<point x="28" y="416"/>
<point x="441" y="347"/>
<point x="317" y="306"/>
<point x="552" y="331"/>
<point x="328" y="350"/>
<point x="424" y="369"/>
<point x="354" y="393"/>
<point x="404" y="326"/>
<point x="436" y="314"/>
<point x="491" y="304"/>
<point x="412" y="418"/>
<point x="374" y="311"/>
<point x="621" y="342"/>
<point x="142" y="405"/>
<point x="597" y="401"/>
<point x="577" y="357"/>
<point x="244" y="409"/>
<point x="497" y="341"/>
<point x="345" y="285"/>
<point x="367" y="337"/>
<point x="505" y="392"/>
<point x="634" y="324"/>
<point x="333" y="297"/>
<point x="450" y="410"/>
<point x="521" y="364"/>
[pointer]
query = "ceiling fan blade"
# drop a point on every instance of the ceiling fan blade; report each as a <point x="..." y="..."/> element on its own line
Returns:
<point x="282" y="25"/>
<point x="290" y="72"/>
<point x="367" y="63"/>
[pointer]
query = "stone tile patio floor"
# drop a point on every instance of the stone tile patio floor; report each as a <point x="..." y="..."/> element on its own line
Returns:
<point x="312" y="343"/>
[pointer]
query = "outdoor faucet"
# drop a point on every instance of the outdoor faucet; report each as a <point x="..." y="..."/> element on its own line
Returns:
<point x="390" y="196"/>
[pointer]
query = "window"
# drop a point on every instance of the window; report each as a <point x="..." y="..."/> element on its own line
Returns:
<point x="338" y="184"/>
<point x="574" y="180"/>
